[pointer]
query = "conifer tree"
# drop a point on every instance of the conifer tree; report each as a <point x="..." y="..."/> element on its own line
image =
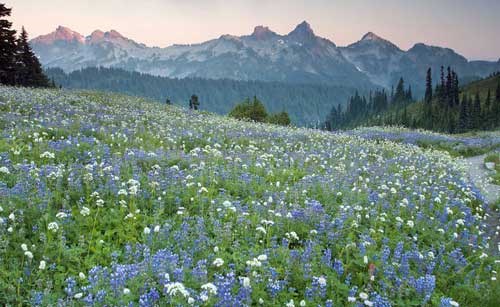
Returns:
<point x="497" y="94"/>
<point x="496" y="107"/>
<point x="488" y="117"/>
<point x="476" y="112"/>
<point x="7" y="47"/>
<point x="448" y="89"/>
<point x="455" y="89"/>
<point x="28" y="69"/>
<point x="400" y="95"/>
<point x="470" y="113"/>
<point x="409" y="94"/>
<point x="193" y="102"/>
<point x="442" y="86"/>
<point x="428" y="86"/>
<point x="463" y="117"/>
<point x="404" y="119"/>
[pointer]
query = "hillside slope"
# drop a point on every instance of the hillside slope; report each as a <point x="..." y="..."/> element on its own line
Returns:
<point x="306" y="103"/>
<point x="114" y="200"/>
<point x="483" y="86"/>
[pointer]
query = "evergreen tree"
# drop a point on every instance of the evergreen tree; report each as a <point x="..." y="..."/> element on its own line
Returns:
<point x="470" y="113"/>
<point x="496" y="107"/>
<point x="254" y="111"/>
<point x="28" y="69"/>
<point x="7" y="48"/>
<point x="409" y="94"/>
<point x="404" y="118"/>
<point x="193" y="102"/>
<point x="488" y="117"/>
<point x="449" y="88"/>
<point x="476" y="112"/>
<point x="428" y="87"/>
<point x="497" y="94"/>
<point x="456" y="90"/>
<point x="463" y="117"/>
<point x="441" y="92"/>
<point x="400" y="95"/>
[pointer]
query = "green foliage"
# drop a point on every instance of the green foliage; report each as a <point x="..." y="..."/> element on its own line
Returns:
<point x="281" y="119"/>
<point x="256" y="111"/>
<point x="18" y="64"/>
<point x="250" y="110"/>
<point x="441" y="110"/>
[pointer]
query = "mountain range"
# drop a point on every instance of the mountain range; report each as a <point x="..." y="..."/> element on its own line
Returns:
<point x="297" y="57"/>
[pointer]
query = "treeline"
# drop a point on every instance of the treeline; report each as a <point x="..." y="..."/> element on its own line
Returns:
<point x="18" y="63"/>
<point x="305" y="103"/>
<point x="361" y="109"/>
<point x="445" y="108"/>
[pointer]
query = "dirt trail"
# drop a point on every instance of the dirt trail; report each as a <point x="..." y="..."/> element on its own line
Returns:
<point x="480" y="177"/>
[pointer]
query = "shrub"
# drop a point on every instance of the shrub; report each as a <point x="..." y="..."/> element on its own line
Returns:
<point x="256" y="111"/>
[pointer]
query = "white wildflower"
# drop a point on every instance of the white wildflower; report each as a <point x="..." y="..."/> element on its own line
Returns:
<point x="210" y="288"/>
<point x="85" y="211"/>
<point x="176" y="287"/>
<point x="53" y="226"/>
<point x="61" y="215"/>
<point x="245" y="282"/>
<point x="218" y="262"/>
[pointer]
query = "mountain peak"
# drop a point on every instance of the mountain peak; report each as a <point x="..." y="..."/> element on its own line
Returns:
<point x="61" y="33"/>
<point x="302" y="30"/>
<point x="370" y="36"/>
<point x="96" y="36"/>
<point x="370" y="39"/>
<point x="113" y="34"/>
<point x="261" y="32"/>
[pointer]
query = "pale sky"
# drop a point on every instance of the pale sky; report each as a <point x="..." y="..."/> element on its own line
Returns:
<point x="472" y="28"/>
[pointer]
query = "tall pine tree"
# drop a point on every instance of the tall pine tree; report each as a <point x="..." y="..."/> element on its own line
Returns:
<point x="428" y="87"/>
<point x="400" y="94"/>
<point x="496" y="107"/>
<point x="28" y="69"/>
<point x="464" y="116"/>
<point x="476" y="112"/>
<point x="7" y="47"/>
<point x="488" y="116"/>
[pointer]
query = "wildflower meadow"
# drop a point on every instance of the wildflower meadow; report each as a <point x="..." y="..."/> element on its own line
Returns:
<point x="111" y="200"/>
